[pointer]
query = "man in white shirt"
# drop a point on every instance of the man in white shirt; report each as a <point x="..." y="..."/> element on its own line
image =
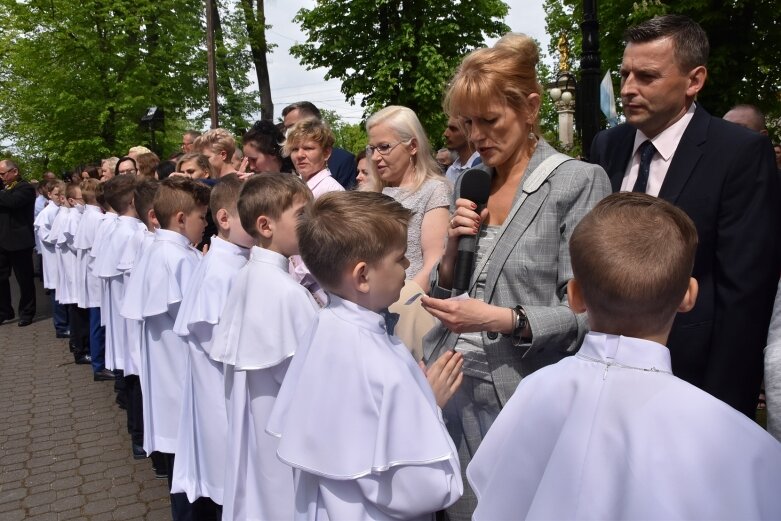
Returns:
<point x="456" y="141"/>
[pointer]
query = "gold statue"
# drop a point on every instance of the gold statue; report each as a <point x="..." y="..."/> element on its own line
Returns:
<point x="563" y="53"/>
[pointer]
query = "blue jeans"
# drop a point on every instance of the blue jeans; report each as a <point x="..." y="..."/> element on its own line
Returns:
<point x="97" y="340"/>
<point x="60" y="316"/>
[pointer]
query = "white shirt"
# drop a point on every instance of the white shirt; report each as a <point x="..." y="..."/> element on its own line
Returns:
<point x="456" y="169"/>
<point x="666" y="142"/>
<point x="610" y="433"/>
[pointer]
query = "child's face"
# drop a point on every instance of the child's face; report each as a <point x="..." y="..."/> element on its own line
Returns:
<point x="194" y="224"/>
<point x="386" y="278"/>
<point x="216" y="159"/>
<point x="193" y="169"/>
<point x="76" y="199"/>
<point x="54" y="196"/>
<point x="285" y="238"/>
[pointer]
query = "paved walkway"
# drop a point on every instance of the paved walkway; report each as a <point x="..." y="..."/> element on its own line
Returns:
<point x="64" y="447"/>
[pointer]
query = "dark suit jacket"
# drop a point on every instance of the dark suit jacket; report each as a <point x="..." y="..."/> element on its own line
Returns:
<point x="724" y="177"/>
<point x="17" y="208"/>
<point x="342" y="167"/>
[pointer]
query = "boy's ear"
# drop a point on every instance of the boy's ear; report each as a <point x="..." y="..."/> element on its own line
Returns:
<point x="575" y="296"/>
<point x="151" y="218"/>
<point x="360" y="277"/>
<point x="222" y="219"/>
<point x="264" y="226"/>
<point x="179" y="219"/>
<point x="690" y="297"/>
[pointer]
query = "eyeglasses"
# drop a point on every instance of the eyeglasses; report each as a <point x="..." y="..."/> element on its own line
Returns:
<point x="9" y="170"/>
<point x="132" y="171"/>
<point x="384" y="149"/>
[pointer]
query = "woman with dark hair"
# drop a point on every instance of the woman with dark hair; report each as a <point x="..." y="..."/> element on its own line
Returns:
<point x="126" y="166"/>
<point x="262" y="147"/>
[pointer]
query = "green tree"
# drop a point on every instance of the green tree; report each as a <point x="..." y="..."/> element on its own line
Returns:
<point x="745" y="57"/>
<point x="399" y="52"/>
<point x="78" y="76"/>
<point x="349" y="136"/>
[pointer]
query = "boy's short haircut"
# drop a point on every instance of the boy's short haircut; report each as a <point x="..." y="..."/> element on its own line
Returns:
<point x="633" y="256"/>
<point x="225" y="194"/>
<point x="57" y="183"/>
<point x="178" y="194"/>
<point x="147" y="164"/>
<point x="268" y="194"/>
<point x="344" y="228"/>
<point x="89" y="188"/>
<point x="144" y="198"/>
<point x="70" y="190"/>
<point x="308" y="129"/>
<point x="118" y="192"/>
<point x="100" y="196"/>
<point x="218" y="139"/>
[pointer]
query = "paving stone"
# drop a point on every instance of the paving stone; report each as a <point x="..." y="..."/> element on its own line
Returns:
<point x="64" y="445"/>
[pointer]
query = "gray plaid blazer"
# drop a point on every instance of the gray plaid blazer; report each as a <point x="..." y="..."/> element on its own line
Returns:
<point x="531" y="266"/>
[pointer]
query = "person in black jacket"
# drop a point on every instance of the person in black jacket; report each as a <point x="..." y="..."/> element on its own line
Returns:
<point x="17" y="203"/>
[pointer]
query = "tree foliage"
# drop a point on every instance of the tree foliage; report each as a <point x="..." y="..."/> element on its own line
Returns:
<point x="399" y="52"/>
<point x="78" y="76"/>
<point x="745" y="39"/>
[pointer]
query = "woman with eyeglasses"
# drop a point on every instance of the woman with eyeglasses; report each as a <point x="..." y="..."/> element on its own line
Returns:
<point x="400" y="154"/>
<point x="517" y="319"/>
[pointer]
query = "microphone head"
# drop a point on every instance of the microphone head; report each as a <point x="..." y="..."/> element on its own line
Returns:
<point x="475" y="185"/>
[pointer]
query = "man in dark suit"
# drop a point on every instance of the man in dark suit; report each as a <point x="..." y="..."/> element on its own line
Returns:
<point x="724" y="177"/>
<point x="341" y="163"/>
<point x="17" y="204"/>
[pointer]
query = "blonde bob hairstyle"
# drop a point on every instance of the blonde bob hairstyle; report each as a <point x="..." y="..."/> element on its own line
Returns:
<point x="505" y="72"/>
<point x="406" y="125"/>
<point x="308" y="129"/>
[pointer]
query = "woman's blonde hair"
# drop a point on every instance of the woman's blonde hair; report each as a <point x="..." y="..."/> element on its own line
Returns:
<point x="506" y="72"/>
<point x="406" y="125"/>
<point x="305" y="129"/>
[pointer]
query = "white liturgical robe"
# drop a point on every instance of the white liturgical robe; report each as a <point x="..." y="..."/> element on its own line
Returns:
<point x="203" y="420"/>
<point x="88" y="286"/>
<point x="43" y="225"/>
<point x="104" y="231"/>
<point x="610" y="433"/>
<point x="359" y="424"/>
<point x="153" y="294"/>
<point x="62" y="232"/>
<point x="266" y="319"/>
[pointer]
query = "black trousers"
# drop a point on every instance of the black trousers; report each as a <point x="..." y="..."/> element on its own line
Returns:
<point x="79" y="326"/>
<point x="135" y="408"/>
<point x="21" y="262"/>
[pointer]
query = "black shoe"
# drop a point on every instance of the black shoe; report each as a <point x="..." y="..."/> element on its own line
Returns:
<point x="103" y="375"/>
<point x="63" y="334"/>
<point x="138" y="452"/>
<point x="23" y="322"/>
<point x="83" y="360"/>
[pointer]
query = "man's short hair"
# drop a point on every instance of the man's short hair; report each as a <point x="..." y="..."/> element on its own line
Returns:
<point x="178" y="194"/>
<point x="219" y="140"/>
<point x="755" y="120"/>
<point x="144" y="198"/>
<point x="89" y="188"/>
<point x="225" y="194"/>
<point x="309" y="129"/>
<point x="268" y="194"/>
<point x="633" y="256"/>
<point x="192" y="133"/>
<point x="118" y="192"/>
<point x="10" y="164"/>
<point x="690" y="43"/>
<point x="344" y="228"/>
<point x="305" y="109"/>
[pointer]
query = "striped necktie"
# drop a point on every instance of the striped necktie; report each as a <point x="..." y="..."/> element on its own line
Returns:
<point x="647" y="151"/>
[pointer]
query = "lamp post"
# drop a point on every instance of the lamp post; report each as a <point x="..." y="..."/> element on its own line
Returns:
<point x="588" y="121"/>
<point x="564" y="93"/>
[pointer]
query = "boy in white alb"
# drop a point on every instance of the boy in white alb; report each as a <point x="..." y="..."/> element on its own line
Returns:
<point x="143" y="199"/>
<point x="43" y="225"/>
<point x="610" y="433"/>
<point x="118" y="192"/>
<point x="153" y="295"/>
<point x="266" y="319"/>
<point x="89" y="287"/>
<point x="203" y="421"/>
<point x="356" y="416"/>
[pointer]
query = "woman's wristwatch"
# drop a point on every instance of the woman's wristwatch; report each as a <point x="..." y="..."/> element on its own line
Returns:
<point x="520" y="325"/>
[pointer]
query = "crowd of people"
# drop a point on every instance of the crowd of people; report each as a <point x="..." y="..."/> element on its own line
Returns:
<point x="281" y="324"/>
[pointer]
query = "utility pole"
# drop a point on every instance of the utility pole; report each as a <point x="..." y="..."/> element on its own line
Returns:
<point x="212" y="68"/>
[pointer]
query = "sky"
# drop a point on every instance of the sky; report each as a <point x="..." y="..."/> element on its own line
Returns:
<point x="291" y="82"/>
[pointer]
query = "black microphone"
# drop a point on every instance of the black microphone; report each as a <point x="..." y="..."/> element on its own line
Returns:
<point x="475" y="185"/>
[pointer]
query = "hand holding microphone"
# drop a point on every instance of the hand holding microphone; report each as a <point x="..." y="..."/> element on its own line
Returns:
<point x="472" y="190"/>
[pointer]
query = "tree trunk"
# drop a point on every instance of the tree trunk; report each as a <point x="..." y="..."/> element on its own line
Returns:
<point x="256" y="29"/>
